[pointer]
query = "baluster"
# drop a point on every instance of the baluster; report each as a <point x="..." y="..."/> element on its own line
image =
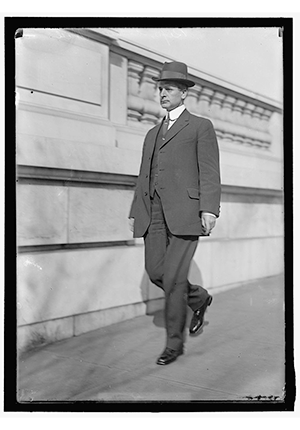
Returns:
<point x="191" y="100"/>
<point x="227" y="106"/>
<point x="135" y="102"/>
<point x="216" y="104"/>
<point x="237" y="111"/>
<point x="148" y="86"/>
<point x="257" y="123"/>
<point x="205" y="100"/>
<point x="147" y="91"/>
<point x="247" y="115"/>
<point x="265" y="118"/>
<point x="161" y="111"/>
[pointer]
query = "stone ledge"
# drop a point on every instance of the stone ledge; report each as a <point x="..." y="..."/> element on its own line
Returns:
<point x="73" y="246"/>
<point x="41" y="333"/>
<point x="73" y="176"/>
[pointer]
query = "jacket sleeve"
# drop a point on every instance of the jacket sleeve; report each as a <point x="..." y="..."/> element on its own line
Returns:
<point x="131" y="212"/>
<point x="209" y="169"/>
<point x="132" y="208"/>
<point x="133" y="204"/>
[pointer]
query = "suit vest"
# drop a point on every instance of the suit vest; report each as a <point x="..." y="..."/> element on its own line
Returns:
<point x="154" y="171"/>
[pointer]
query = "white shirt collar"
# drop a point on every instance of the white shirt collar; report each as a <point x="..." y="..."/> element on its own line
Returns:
<point x="175" y="113"/>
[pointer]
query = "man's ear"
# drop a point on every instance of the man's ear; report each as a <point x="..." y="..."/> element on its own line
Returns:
<point x="184" y="93"/>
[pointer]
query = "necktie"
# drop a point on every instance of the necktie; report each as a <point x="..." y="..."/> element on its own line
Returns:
<point x="165" y="125"/>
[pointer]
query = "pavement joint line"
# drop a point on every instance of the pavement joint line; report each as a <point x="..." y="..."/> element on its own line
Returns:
<point x="92" y="363"/>
<point x="132" y="371"/>
<point x="195" y="386"/>
<point x="124" y="369"/>
<point x="266" y="342"/>
<point x="179" y="383"/>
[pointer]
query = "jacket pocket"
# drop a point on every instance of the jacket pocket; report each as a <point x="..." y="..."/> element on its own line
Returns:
<point x="193" y="193"/>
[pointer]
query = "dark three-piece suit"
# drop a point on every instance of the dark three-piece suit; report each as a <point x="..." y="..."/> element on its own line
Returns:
<point x="179" y="178"/>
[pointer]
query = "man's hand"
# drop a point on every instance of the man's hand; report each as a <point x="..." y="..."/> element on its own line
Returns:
<point x="208" y="222"/>
<point x="131" y="224"/>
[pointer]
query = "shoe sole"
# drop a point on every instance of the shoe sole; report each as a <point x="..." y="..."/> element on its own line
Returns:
<point x="208" y="304"/>
<point x="172" y="361"/>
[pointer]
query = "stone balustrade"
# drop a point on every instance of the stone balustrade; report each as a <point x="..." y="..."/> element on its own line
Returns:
<point x="236" y="117"/>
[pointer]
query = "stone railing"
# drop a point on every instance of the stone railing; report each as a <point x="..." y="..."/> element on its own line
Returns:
<point x="143" y="101"/>
<point x="237" y="117"/>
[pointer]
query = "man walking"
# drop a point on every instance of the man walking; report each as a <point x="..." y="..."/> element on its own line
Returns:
<point x="177" y="199"/>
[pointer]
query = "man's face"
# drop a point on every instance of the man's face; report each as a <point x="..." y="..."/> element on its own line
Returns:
<point x="170" y="95"/>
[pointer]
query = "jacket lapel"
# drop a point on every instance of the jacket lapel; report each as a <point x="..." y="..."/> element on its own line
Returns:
<point x="180" y="123"/>
<point x="152" y="138"/>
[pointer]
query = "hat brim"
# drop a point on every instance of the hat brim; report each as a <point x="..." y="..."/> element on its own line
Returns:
<point x="186" y="82"/>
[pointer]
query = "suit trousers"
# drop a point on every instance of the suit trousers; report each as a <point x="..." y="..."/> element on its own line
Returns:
<point x="167" y="262"/>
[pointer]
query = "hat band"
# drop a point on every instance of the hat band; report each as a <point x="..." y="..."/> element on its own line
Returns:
<point x="172" y="75"/>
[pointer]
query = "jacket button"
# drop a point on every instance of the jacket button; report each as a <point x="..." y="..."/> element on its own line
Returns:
<point x="146" y="194"/>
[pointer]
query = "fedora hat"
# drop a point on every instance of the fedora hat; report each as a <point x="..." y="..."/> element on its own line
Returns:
<point x="175" y="71"/>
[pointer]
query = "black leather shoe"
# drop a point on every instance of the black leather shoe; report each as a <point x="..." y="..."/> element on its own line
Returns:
<point x="198" y="317"/>
<point x="169" y="355"/>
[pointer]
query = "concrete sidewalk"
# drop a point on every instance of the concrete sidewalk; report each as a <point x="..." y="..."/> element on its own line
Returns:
<point x="239" y="355"/>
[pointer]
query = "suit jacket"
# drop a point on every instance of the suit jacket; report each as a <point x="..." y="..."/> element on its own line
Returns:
<point x="189" y="176"/>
